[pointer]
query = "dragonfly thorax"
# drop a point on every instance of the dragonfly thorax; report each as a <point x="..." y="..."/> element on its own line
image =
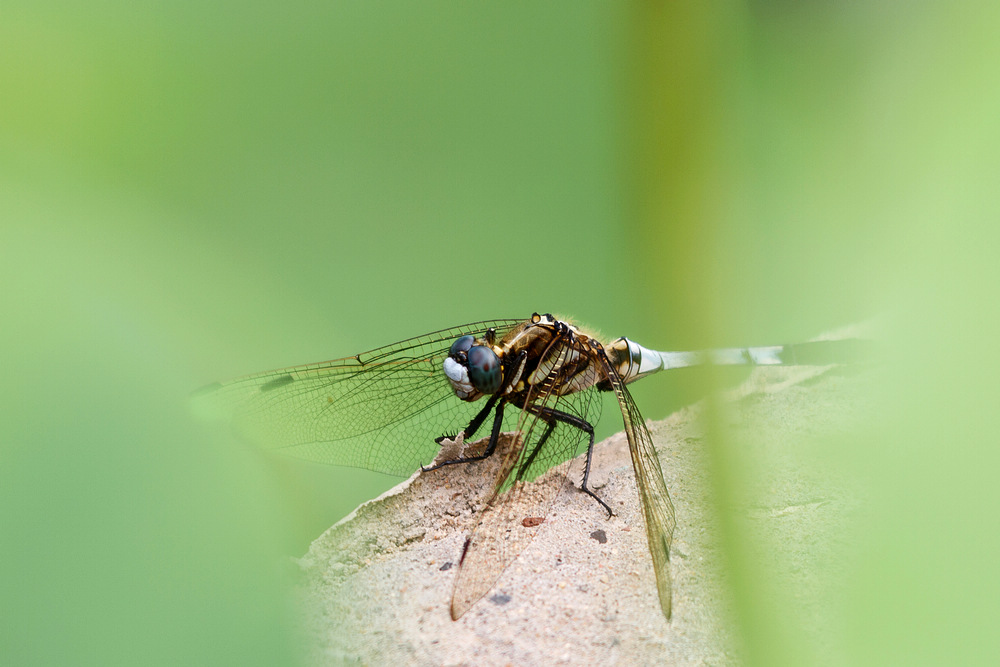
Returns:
<point x="473" y="370"/>
<point x="544" y="352"/>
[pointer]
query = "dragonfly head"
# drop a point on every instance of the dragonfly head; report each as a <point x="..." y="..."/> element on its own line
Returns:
<point x="473" y="370"/>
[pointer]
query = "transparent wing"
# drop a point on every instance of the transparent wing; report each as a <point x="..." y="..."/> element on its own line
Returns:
<point x="508" y="523"/>
<point x="380" y="410"/>
<point x="657" y="509"/>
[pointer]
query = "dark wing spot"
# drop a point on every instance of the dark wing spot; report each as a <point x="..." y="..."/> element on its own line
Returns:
<point x="500" y="598"/>
<point x="600" y="536"/>
<point x="277" y="382"/>
<point x="465" y="549"/>
<point x="446" y="566"/>
<point x="206" y="390"/>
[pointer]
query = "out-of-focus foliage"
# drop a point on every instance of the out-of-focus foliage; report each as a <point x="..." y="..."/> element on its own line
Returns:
<point x="811" y="163"/>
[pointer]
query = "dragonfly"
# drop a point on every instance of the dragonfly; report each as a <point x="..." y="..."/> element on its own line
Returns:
<point x="390" y="409"/>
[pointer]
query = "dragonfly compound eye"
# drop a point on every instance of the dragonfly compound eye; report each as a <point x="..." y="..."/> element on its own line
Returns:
<point x="460" y="346"/>
<point x="484" y="369"/>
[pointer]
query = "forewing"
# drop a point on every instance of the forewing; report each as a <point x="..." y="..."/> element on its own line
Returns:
<point x="657" y="509"/>
<point x="508" y="523"/>
<point x="380" y="410"/>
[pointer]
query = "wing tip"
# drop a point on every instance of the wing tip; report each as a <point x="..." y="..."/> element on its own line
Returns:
<point x="204" y="404"/>
<point x="664" y="591"/>
<point x="207" y="390"/>
<point x="458" y="608"/>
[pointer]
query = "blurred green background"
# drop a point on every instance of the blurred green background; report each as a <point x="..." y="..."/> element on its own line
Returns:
<point x="193" y="192"/>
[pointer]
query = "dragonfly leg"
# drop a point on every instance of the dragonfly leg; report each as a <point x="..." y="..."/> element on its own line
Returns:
<point x="476" y="422"/>
<point x="550" y="417"/>
<point x="494" y="436"/>
<point x="586" y="475"/>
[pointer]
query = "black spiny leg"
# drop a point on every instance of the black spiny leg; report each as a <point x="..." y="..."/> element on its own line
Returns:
<point x="494" y="436"/>
<point x="551" y="416"/>
<point x="476" y="422"/>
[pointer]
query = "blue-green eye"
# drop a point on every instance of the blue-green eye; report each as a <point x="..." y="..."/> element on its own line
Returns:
<point x="484" y="369"/>
<point x="461" y="345"/>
